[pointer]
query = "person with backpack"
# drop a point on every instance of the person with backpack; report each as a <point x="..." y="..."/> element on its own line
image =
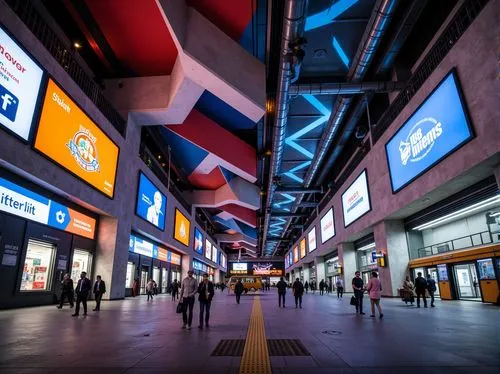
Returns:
<point x="281" y="285"/>
<point x="238" y="290"/>
<point x="374" y="288"/>
<point x="298" y="292"/>
<point x="431" y="288"/>
<point x="420" y="287"/>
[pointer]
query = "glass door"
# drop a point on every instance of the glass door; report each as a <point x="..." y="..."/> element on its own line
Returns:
<point x="164" y="280"/>
<point x="82" y="261"/>
<point x="38" y="266"/>
<point x="144" y="280"/>
<point x="129" y="281"/>
<point x="466" y="282"/>
<point x="156" y="276"/>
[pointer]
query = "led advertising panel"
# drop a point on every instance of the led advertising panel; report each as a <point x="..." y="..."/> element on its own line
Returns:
<point x="24" y="203"/>
<point x="311" y="239"/>
<point x="208" y="249"/>
<point x="442" y="272"/>
<point x="257" y="268"/>
<point x="182" y="228"/>
<point x="356" y="199"/>
<point x="20" y="81"/>
<point x="290" y="258"/>
<point x="198" y="241"/>
<point x="214" y="253"/>
<point x="151" y="203"/>
<point x="303" y="248"/>
<point x="486" y="269"/>
<point x="296" y="254"/>
<point x="239" y="266"/>
<point x="436" y="129"/>
<point x="69" y="137"/>
<point x="327" y="225"/>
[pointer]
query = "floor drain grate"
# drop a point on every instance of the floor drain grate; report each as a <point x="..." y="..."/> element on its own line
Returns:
<point x="232" y="347"/>
<point x="331" y="332"/>
<point x="286" y="347"/>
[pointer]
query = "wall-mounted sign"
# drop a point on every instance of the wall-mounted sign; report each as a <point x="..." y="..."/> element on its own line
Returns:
<point x="327" y="225"/>
<point x="148" y="249"/>
<point x="223" y="260"/>
<point x="214" y="253"/>
<point x="356" y="199"/>
<point x="257" y="268"/>
<point x="151" y="203"/>
<point x="20" y="82"/>
<point x="303" y="248"/>
<point x="69" y="137"/>
<point x="208" y="249"/>
<point x="290" y="258"/>
<point x="24" y="203"/>
<point x="198" y="241"/>
<point x="182" y="228"/>
<point x="436" y="129"/>
<point x="486" y="268"/>
<point x="311" y="239"/>
<point x="442" y="272"/>
<point x="287" y="261"/>
<point x="296" y="254"/>
<point x="241" y="266"/>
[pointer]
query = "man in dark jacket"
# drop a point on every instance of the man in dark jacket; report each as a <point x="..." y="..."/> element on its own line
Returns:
<point x="358" y="287"/>
<point x="67" y="291"/>
<point x="206" y="291"/>
<point x="431" y="288"/>
<point x="281" y="285"/>
<point x="420" y="287"/>
<point x="298" y="291"/>
<point x="82" y="293"/>
<point x="321" y="287"/>
<point x="238" y="290"/>
<point x="99" y="290"/>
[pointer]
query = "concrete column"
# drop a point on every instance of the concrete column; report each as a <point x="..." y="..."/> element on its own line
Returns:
<point x="319" y="261"/>
<point x="217" y="276"/>
<point x="390" y="239"/>
<point x="347" y="259"/>
<point x="307" y="273"/>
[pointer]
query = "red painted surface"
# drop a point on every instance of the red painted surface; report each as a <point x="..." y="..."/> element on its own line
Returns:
<point x="244" y="214"/>
<point x="230" y="16"/>
<point x="207" y="134"/>
<point x="137" y="33"/>
<point x="211" y="181"/>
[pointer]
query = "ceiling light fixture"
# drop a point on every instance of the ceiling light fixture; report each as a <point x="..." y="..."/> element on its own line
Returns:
<point x="366" y="247"/>
<point x="77" y="45"/>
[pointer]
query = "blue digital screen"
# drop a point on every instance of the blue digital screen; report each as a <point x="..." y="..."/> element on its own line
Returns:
<point x="198" y="241"/>
<point x="151" y="203"/>
<point x="436" y="129"/>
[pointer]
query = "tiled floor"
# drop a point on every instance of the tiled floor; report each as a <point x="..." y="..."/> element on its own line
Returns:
<point x="135" y="336"/>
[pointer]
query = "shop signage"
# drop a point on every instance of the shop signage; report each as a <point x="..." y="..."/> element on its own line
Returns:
<point x="20" y="82"/>
<point x="69" y="137"/>
<point x="303" y="248"/>
<point x="148" y="249"/>
<point x="182" y="228"/>
<point x="22" y="202"/>
<point x="197" y="265"/>
<point x="208" y="249"/>
<point x="436" y="129"/>
<point x="257" y="268"/>
<point x="198" y="241"/>
<point x="327" y="226"/>
<point x="239" y="266"/>
<point x="311" y="239"/>
<point x="151" y="203"/>
<point x="356" y="199"/>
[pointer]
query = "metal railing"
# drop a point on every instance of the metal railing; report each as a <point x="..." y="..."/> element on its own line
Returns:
<point x="63" y="54"/>
<point x="463" y="242"/>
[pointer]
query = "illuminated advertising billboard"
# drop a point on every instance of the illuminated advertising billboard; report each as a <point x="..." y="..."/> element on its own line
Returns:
<point x="287" y="261"/>
<point x="311" y="239"/>
<point x="257" y="268"/>
<point x="214" y="253"/>
<point x="198" y="241"/>
<point x="208" y="249"/>
<point x="436" y="129"/>
<point x="20" y="81"/>
<point x="148" y="249"/>
<point x="296" y="254"/>
<point x="356" y="199"/>
<point x="182" y="228"/>
<point x="151" y="203"/>
<point x="69" y="137"/>
<point x="24" y="203"/>
<point x="290" y="258"/>
<point x="327" y="225"/>
<point x="303" y="248"/>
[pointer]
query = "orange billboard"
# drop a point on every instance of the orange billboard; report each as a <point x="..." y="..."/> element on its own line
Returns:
<point x="303" y="248"/>
<point x="69" y="137"/>
<point x="296" y="254"/>
<point x="181" y="228"/>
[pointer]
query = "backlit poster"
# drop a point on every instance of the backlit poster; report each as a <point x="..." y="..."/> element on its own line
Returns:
<point x="198" y="241"/>
<point x="311" y="239"/>
<point x="327" y="225"/>
<point x="20" y="81"/>
<point x="182" y="228"/>
<point x="151" y="203"/>
<point x="208" y="249"/>
<point x="287" y="263"/>
<point x="69" y="137"/>
<point x="442" y="272"/>
<point x="356" y="199"/>
<point x="303" y="248"/>
<point x="296" y="254"/>
<point x="214" y="253"/>
<point x="486" y="269"/>
<point x="240" y="266"/>
<point x="290" y="258"/>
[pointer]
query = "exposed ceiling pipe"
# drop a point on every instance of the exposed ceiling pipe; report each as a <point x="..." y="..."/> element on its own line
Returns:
<point x="293" y="28"/>
<point x="345" y="88"/>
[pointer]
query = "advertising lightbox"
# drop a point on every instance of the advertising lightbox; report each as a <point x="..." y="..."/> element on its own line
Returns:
<point x="182" y="228"/>
<point x="198" y="241"/>
<point x="151" y="203"/>
<point x="69" y="137"/>
<point x="296" y="254"/>
<point x="437" y="128"/>
<point x="24" y="203"/>
<point x="20" y="81"/>
<point x="208" y="249"/>
<point x="327" y="225"/>
<point x="311" y="239"/>
<point x="240" y="266"/>
<point x="290" y="258"/>
<point x="287" y="262"/>
<point x="356" y="199"/>
<point x="214" y="253"/>
<point x="303" y="248"/>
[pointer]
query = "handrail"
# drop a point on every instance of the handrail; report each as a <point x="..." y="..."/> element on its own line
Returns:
<point x="434" y="249"/>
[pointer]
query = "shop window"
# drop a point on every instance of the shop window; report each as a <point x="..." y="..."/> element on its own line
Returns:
<point x="164" y="279"/>
<point x="82" y="261"/>
<point x="129" y="281"/>
<point x="38" y="266"/>
<point x="156" y="276"/>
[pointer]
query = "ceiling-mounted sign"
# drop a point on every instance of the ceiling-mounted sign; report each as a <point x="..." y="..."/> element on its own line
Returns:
<point x="182" y="228"/>
<point x="22" y="202"/>
<point x="151" y="204"/>
<point x="436" y="129"/>
<point x="198" y="241"/>
<point x="356" y="199"/>
<point x="327" y="225"/>
<point x="69" y="137"/>
<point x="311" y="239"/>
<point x="20" y="81"/>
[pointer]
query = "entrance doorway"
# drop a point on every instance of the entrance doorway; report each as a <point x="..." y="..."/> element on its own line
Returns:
<point x="434" y="275"/>
<point x="467" y="282"/>
<point x="144" y="280"/>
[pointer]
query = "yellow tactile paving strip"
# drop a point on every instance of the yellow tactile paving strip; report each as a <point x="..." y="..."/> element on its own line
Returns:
<point x="255" y="358"/>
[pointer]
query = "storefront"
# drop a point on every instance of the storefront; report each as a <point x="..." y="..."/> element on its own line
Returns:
<point x="366" y="256"/>
<point x="42" y="237"/>
<point x="201" y="268"/>
<point x="332" y="268"/>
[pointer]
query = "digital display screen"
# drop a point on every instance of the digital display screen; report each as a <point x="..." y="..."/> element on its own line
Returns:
<point x="198" y="241"/>
<point x="311" y="238"/>
<point x="327" y="226"/>
<point x="240" y="266"/>
<point x="208" y="249"/>
<point x="296" y="254"/>
<point x="20" y="81"/>
<point x="151" y="203"/>
<point x="436" y="129"/>
<point x="356" y="199"/>
<point x="303" y="248"/>
<point x="182" y="228"/>
<point x="69" y="137"/>
<point x="442" y="272"/>
<point x="486" y="269"/>
<point x="214" y="253"/>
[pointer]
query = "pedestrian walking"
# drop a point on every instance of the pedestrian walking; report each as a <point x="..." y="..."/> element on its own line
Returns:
<point x="238" y="290"/>
<point x="67" y="291"/>
<point x="83" y="288"/>
<point x="357" y="286"/>
<point x="175" y="290"/>
<point x="408" y="291"/>
<point x="206" y="293"/>
<point x="420" y="288"/>
<point x="431" y="288"/>
<point x="150" y="289"/>
<point x="281" y="285"/>
<point x="155" y="288"/>
<point x="374" y="288"/>
<point x="298" y="292"/>
<point x="321" y="287"/>
<point x="340" y="288"/>
<point x="306" y="286"/>
<point x="99" y="290"/>
<point x="188" y="292"/>
<point x="135" y="287"/>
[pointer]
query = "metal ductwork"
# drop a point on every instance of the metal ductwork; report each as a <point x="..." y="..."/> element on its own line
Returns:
<point x="347" y="88"/>
<point x="293" y="28"/>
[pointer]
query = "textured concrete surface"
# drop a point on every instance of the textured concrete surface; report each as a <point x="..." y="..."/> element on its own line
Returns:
<point x="134" y="336"/>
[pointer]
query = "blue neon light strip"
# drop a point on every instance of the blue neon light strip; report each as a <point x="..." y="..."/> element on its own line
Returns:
<point x="340" y="52"/>
<point x="328" y="15"/>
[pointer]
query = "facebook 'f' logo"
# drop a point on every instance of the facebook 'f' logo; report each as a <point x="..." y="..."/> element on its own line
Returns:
<point x="8" y="104"/>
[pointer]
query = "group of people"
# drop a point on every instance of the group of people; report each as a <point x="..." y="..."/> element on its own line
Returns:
<point x="151" y="288"/>
<point x="82" y="291"/>
<point x="189" y="289"/>
<point x="420" y="287"/>
<point x="325" y="286"/>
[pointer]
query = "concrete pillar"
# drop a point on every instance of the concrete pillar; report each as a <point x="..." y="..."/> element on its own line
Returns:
<point x="390" y="239"/>
<point x="307" y="273"/>
<point x="217" y="276"/>
<point x="319" y="261"/>
<point x="347" y="259"/>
